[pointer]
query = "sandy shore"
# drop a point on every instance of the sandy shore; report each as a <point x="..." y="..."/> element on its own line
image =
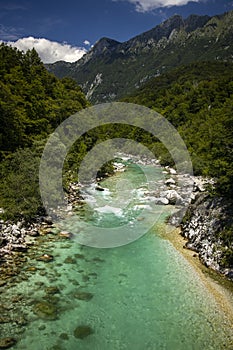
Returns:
<point x="217" y="285"/>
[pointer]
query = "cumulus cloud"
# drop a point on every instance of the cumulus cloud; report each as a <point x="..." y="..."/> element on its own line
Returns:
<point x="49" y="51"/>
<point x="150" y="5"/>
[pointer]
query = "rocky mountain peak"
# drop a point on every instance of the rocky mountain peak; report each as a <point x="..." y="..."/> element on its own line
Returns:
<point x="104" y="45"/>
<point x="194" y="21"/>
<point x="111" y="69"/>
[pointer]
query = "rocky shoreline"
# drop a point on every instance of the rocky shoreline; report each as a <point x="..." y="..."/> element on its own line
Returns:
<point x="203" y="221"/>
<point x="21" y="242"/>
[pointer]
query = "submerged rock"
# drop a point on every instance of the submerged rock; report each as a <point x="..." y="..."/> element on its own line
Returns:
<point x="70" y="260"/>
<point x="83" y="296"/>
<point x="5" y="319"/>
<point x="64" y="336"/>
<point x="52" y="290"/>
<point x="85" y="278"/>
<point x="45" y="258"/>
<point x="46" y="231"/>
<point x="45" y="310"/>
<point x="79" y="256"/>
<point x="82" y="332"/>
<point x="3" y="283"/>
<point x="6" y="343"/>
<point x="97" y="259"/>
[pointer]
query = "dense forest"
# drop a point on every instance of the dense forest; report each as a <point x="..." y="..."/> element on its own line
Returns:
<point x="33" y="103"/>
<point x="198" y="100"/>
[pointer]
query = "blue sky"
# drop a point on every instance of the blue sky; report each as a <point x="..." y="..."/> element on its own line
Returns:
<point x="75" y="22"/>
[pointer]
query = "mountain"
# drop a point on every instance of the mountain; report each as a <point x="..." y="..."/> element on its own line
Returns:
<point x="111" y="70"/>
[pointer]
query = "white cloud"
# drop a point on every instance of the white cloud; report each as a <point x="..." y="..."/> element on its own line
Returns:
<point x="150" y="5"/>
<point x="49" y="51"/>
<point x="87" y="42"/>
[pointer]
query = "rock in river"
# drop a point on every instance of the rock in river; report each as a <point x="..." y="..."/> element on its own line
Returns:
<point x="83" y="296"/>
<point x="161" y="201"/>
<point x="45" y="310"/>
<point x="82" y="332"/>
<point x="6" y="343"/>
<point x="45" y="258"/>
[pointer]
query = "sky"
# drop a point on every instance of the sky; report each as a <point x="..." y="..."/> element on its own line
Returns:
<point x="65" y="30"/>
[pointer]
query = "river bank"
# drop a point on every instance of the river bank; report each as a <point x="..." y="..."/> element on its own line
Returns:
<point x="17" y="238"/>
<point x="63" y="285"/>
<point x="218" y="285"/>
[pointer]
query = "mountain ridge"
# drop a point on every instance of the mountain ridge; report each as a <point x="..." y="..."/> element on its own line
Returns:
<point x="111" y="70"/>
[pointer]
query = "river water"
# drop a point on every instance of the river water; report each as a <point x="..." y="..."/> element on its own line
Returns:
<point x="141" y="296"/>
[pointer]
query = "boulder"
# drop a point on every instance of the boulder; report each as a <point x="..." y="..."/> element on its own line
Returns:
<point x="170" y="182"/>
<point x="99" y="188"/>
<point x="161" y="201"/>
<point x="172" y="171"/>
<point x="172" y="196"/>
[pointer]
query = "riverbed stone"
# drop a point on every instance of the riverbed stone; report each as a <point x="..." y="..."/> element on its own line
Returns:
<point x="83" y="331"/>
<point x="45" y="258"/>
<point x="161" y="201"/>
<point x="79" y="256"/>
<point x="6" y="343"/>
<point x="3" y="283"/>
<point x="97" y="259"/>
<point x="70" y="260"/>
<point x="86" y="296"/>
<point x="45" y="310"/>
<point x="5" y="319"/>
<point x="65" y="234"/>
<point x="64" y="336"/>
<point x="52" y="290"/>
<point x="170" y="182"/>
<point x="99" y="188"/>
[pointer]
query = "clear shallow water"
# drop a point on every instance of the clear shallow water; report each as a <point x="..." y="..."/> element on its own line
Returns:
<point x="144" y="294"/>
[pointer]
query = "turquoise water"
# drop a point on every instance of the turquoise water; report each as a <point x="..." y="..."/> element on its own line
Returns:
<point x="143" y="295"/>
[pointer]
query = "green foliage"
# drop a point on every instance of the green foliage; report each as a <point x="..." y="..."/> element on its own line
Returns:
<point x="227" y="258"/>
<point x="226" y="236"/>
<point x="19" y="187"/>
<point x="198" y="100"/>
<point x="32" y="101"/>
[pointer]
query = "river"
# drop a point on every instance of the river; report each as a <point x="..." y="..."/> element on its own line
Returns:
<point x="143" y="295"/>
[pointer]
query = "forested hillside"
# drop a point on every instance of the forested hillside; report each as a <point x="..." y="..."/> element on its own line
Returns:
<point x="198" y="100"/>
<point x="33" y="103"/>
